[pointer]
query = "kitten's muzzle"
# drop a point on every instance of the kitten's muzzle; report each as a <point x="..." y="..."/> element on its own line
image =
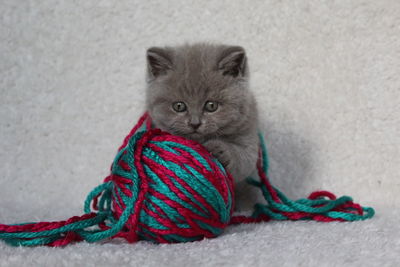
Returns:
<point x="195" y="125"/>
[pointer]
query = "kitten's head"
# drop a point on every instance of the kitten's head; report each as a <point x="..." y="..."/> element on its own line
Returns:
<point x="199" y="91"/>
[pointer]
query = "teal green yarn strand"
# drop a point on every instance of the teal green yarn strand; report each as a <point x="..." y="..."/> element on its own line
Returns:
<point x="264" y="154"/>
<point x="45" y="237"/>
<point x="94" y="193"/>
<point x="40" y="241"/>
<point x="67" y="228"/>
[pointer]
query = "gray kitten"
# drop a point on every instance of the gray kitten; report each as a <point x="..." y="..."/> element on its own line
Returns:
<point x="201" y="92"/>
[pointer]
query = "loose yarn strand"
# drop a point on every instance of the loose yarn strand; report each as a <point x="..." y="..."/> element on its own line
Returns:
<point x="319" y="206"/>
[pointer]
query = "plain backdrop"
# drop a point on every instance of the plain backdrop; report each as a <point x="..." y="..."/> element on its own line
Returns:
<point x="325" y="75"/>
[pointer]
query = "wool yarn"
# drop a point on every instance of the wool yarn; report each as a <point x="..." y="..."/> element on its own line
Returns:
<point x="165" y="188"/>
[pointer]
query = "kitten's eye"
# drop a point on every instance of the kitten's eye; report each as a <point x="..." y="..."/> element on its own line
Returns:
<point x="211" y="106"/>
<point x="179" y="106"/>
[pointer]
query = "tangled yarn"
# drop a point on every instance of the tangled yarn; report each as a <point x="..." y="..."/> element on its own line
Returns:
<point x="166" y="189"/>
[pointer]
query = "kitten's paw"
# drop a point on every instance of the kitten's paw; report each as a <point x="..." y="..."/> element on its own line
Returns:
<point x="220" y="150"/>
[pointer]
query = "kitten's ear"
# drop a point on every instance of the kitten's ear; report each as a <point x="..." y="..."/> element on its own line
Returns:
<point x="159" y="61"/>
<point x="232" y="61"/>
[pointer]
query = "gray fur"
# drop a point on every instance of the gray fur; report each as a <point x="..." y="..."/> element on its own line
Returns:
<point x="198" y="73"/>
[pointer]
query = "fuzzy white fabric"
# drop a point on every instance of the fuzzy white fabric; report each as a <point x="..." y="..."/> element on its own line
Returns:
<point x="326" y="76"/>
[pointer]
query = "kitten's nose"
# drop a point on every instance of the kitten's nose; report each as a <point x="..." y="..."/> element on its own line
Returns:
<point x="195" y="125"/>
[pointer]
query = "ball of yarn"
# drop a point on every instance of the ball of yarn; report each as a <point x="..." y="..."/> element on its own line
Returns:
<point x="168" y="189"/>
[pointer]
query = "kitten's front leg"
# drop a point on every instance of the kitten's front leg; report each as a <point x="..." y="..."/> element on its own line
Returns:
<point x="221" y="150"/>
<point x="240" y="161"/>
